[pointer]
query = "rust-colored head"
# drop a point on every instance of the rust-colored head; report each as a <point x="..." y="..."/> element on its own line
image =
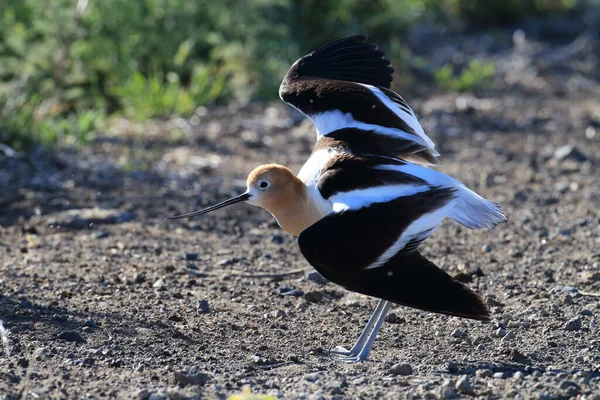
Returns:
<point x="272" y="187"/>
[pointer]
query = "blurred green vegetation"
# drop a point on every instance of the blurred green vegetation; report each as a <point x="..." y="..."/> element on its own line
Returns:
<point x="476" y="75"/>
<point x="65" y="65"/>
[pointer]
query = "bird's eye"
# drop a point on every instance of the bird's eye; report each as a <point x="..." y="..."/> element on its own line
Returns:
<point x="263" y="184"/>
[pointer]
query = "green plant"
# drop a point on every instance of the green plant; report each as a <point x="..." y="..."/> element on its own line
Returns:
<point x="477" y="75"/>
<point x="248" y="395"/>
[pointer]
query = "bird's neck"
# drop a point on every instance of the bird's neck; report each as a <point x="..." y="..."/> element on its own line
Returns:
<point x="299" y="210"/>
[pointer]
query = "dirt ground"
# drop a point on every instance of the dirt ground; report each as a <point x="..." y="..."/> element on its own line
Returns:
<point x="101" y="298"/>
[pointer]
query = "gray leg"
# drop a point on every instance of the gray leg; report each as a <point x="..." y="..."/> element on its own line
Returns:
<point x="361" y="349"/>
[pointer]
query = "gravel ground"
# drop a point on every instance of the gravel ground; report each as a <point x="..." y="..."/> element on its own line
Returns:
<point x="99" y="297"/>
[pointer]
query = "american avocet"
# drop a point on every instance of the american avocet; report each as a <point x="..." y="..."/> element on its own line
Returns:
<point x="362" y="204"/>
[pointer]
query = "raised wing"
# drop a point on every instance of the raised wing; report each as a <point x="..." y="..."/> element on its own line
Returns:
<point x="367" y="250"/>
<point x="345" y="85"/>
<point x="383" y="209"/>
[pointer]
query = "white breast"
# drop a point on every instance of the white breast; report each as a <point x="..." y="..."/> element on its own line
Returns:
<point x="310" y="173"/>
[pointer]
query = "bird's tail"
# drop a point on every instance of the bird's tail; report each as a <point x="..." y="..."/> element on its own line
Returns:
<point x="475" y="212"/>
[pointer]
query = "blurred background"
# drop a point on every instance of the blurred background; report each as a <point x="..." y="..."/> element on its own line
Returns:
<point x="68" y="68"/>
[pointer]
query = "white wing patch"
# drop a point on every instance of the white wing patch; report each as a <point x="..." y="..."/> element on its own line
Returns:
<point x="409" y="118"/>
<point x="471" y="210"/>
<point x="356" y="199"/>
<point x="331" y="121"/>
<point x="419" y="229"/>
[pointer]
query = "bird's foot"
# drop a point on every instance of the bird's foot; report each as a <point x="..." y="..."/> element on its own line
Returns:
<point x="339" y="353"/>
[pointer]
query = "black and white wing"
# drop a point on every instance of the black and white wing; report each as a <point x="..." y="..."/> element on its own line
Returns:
<point x="344" y="88"/>
<point x="383" y="209"/>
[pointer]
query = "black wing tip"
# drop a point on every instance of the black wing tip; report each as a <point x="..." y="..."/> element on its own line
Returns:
<point x="345" y="60"/>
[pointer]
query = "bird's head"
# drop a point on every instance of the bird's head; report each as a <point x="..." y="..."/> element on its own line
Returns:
<point x="269" y="186"/>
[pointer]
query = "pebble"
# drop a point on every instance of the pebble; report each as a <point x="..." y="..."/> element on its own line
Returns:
<point x="464" y="386"/>
<point x="392" y="318"/>
<point x="278" y="314"/>
<point x="191" y="256"/>
<point x="143" y="394"/>
<point x="571" y="152"/>
<point x="288" y="291"/>
<point x="203" y="307"/>
<point x="316" y="277"/>
<point x="499" y="375"/>
<point x="573" y="324"/>
<point x="518" y="375"/>
<point x="71" y="336"/>
<point x="451" y="366"/>
<point x="158" y="396"/>
<point x="277" y="239"/>
<point x="510" y="335"/>
<point x="313" y="296"/>
<point x="158" y="284"/>
<point x="90" y="322"/>
<point x="501" y="332"/>
<point x="191" y="377"/>
<point x="59" y="318"/>
<point x="312" y="377"/>
<point x="447" y="390"/>
<point x="401" y="369"/>
<point x="458" y="333"/>
<point x="360" y="381"/>
<point x="483" y="373"/>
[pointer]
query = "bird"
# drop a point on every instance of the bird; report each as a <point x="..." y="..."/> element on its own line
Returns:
<point x="368" y="195"/>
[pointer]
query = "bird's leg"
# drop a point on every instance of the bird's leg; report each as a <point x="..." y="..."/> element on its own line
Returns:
<point x="362" y="347"/>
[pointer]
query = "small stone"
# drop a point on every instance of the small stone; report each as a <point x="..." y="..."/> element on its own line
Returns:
<point x="302" y="305"/>
<point x="313" y="296"/>
<point x="501" y="332"/>
<point x="480" y="347"/>
<point x="518" y="375"/>
<point x="451" y="367"/>
<point x="23" y="362"/>
<point x="392" y="318"/>
<point x="158" y="284"/>
<point x="191" y="377"/>
<point x="279" y="314"/>
<point x="401" y="369"/>
<point x="59" y="318"/>
<point x="510" y="335"/>
<point x="590" y="276"/>
<point x="486" y="248"/>
<point x="101" y="235"/>
<point x="71" y="336"/>
<point x="90" y="323"/>
<point x="573" y="324"/>
<point x="458" y="333"/>
<point x="447" y="390"/>
<point x="569" y="152"/>
<point x="202" y="307"/>
<point x="158" y="396"/>
<point x="352" y="303"/>
<point x="587" y="313"/>
<point x="143" y="394"/>
<point x="483" y="373"/>
<point x="287" y="291"/>
<point x="312" y="377"/>
<point x="316" y="277"/>
<point x="226" y="262"/>
<point x="517" y="356"/>
<point x="464" y="386"/>
<point x="499" y="375"/>
<point x="360" y="381"/>
<point x="277" y="239"/>
<point x="191" y="256"/>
